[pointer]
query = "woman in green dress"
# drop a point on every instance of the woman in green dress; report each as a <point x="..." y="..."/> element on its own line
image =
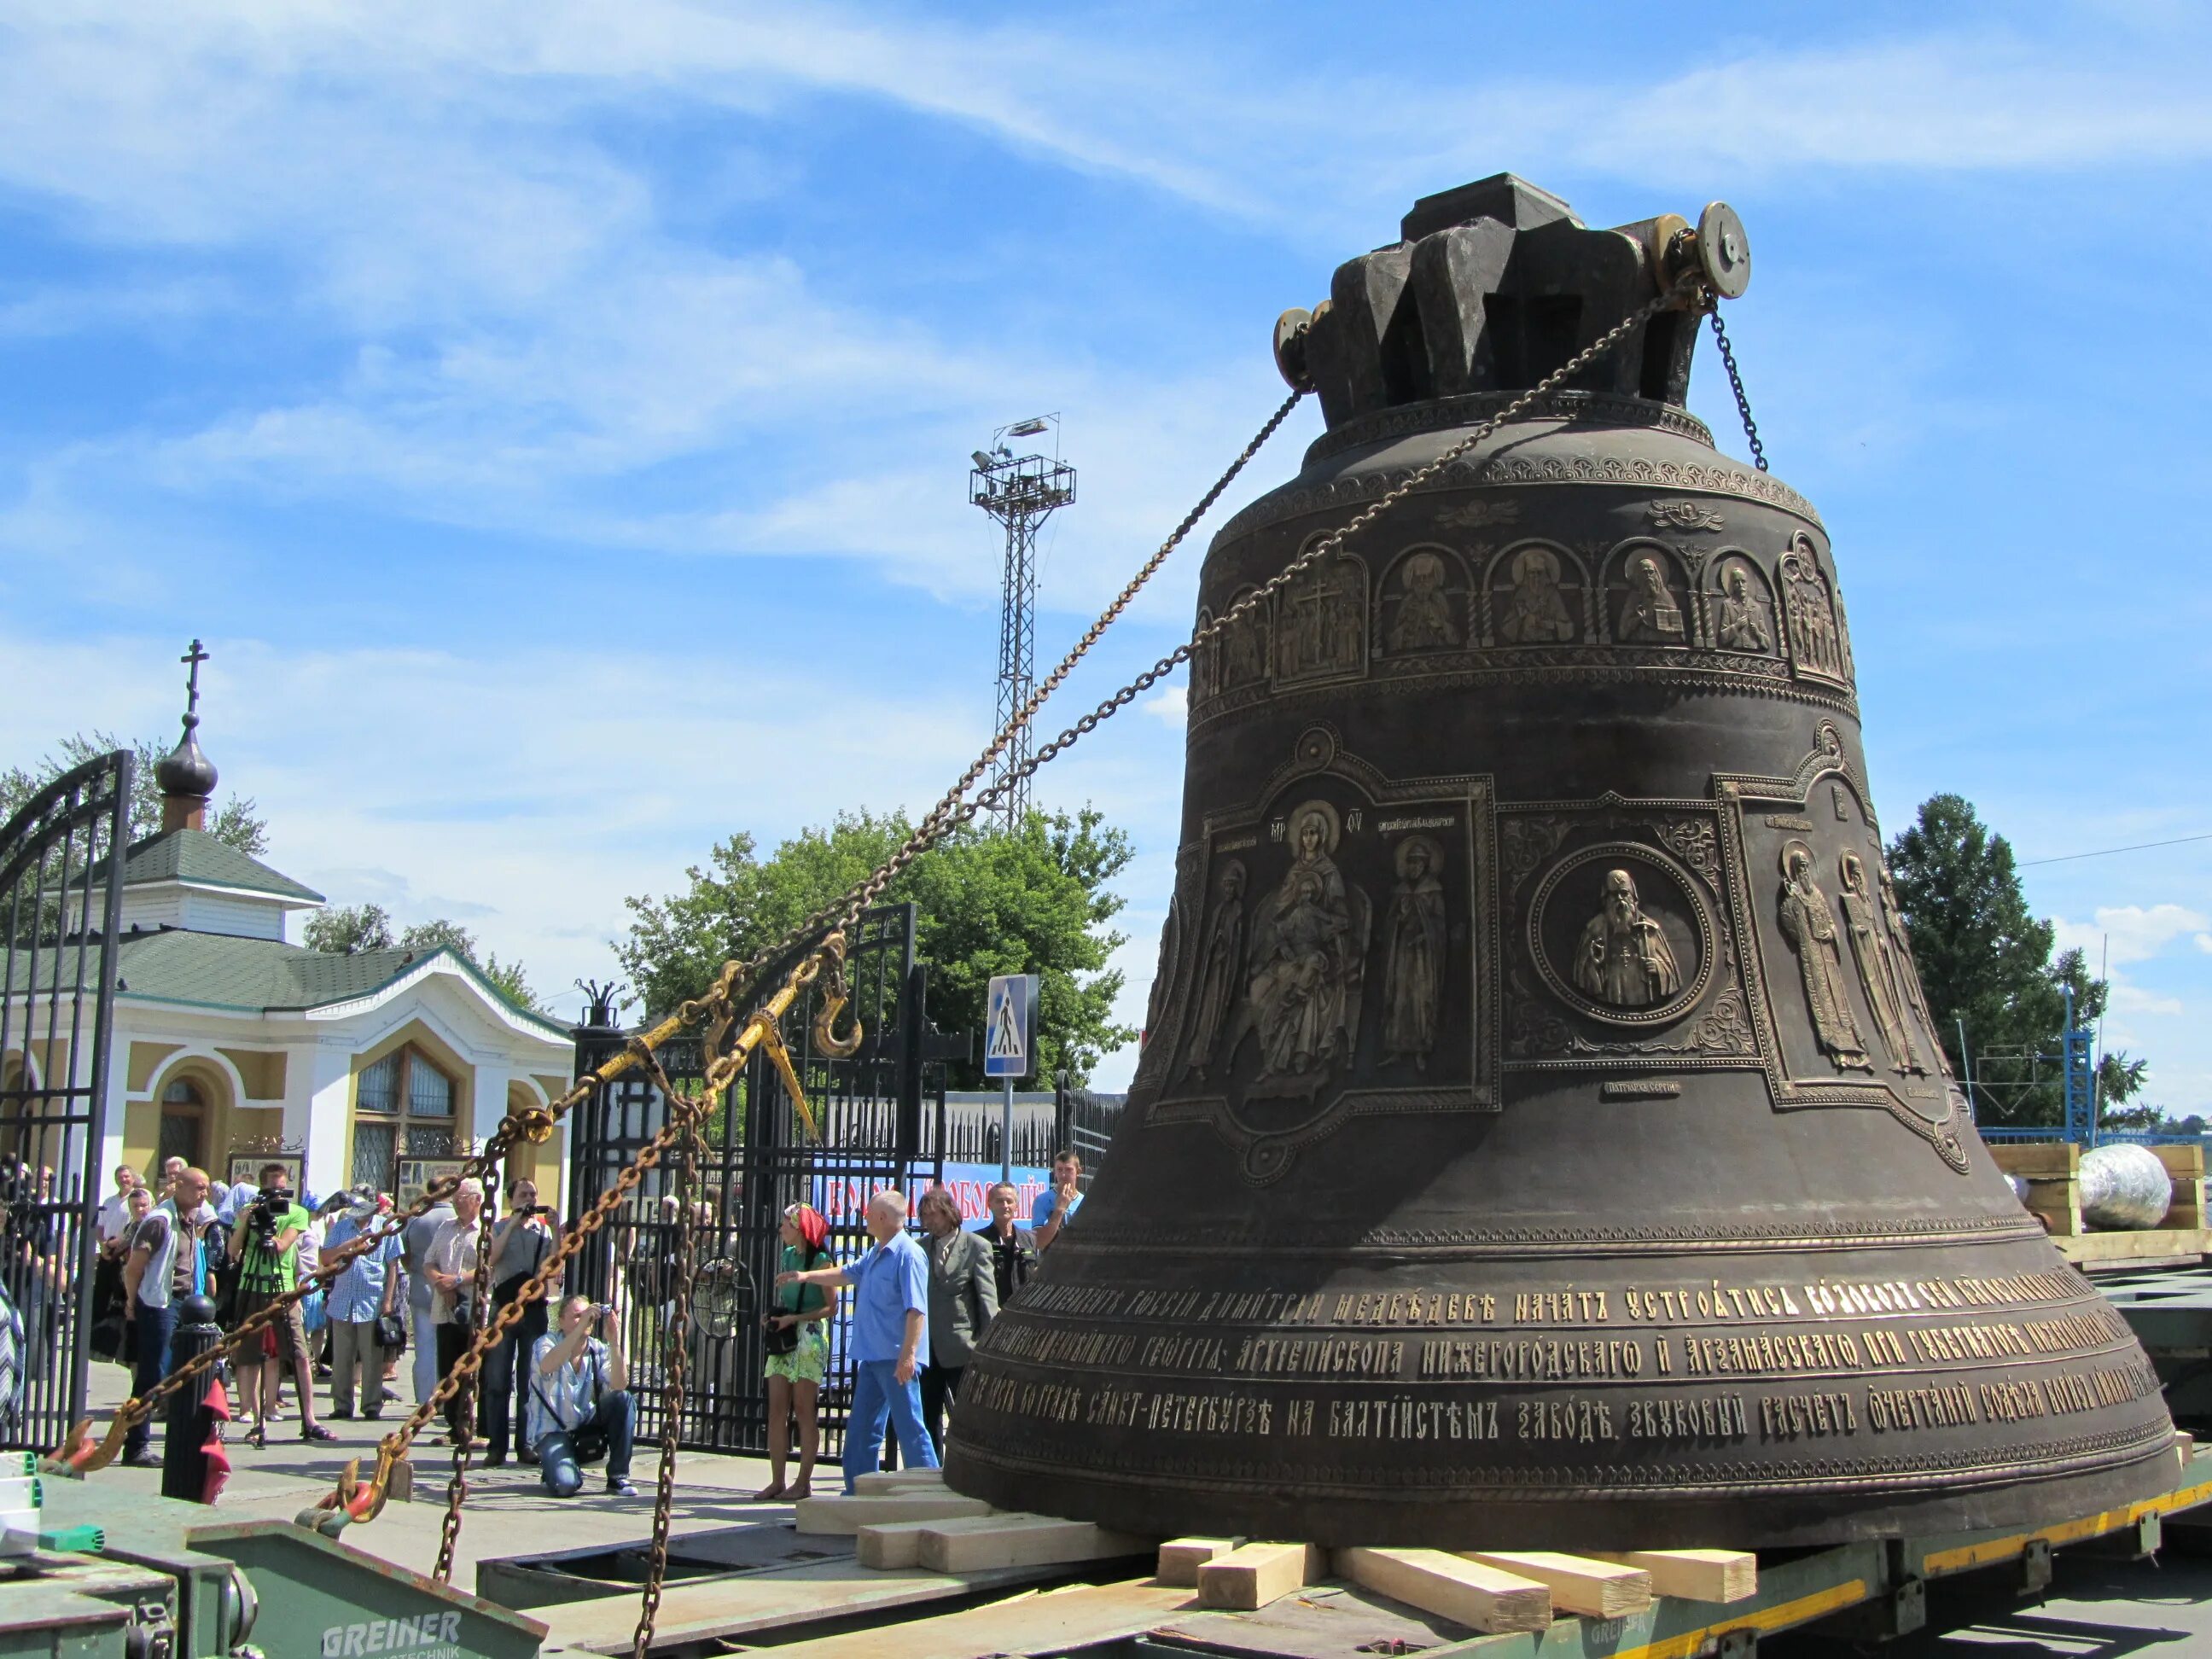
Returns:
<point x="796" y="1317"/>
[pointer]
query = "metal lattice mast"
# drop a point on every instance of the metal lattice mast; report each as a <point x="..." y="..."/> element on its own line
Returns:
<point x="1021" y="492"/>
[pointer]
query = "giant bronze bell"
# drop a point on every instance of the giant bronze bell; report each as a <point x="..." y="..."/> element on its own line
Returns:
<point x="1541" y="1139"/>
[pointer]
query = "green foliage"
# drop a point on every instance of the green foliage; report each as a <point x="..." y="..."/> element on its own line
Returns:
<point x="236" y="821"/>
<point x="1985" y="959"/>
<point x="987" y="901"/>
<point x="349" y="930"/>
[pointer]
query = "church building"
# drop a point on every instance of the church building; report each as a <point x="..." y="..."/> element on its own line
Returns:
<point x="233" y="1047"/>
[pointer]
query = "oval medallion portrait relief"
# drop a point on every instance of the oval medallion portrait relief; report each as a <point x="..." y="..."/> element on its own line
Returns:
<point x="1620" y="932"/>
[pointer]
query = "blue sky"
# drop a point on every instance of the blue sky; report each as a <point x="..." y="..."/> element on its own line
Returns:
<point x="555" y="417"/>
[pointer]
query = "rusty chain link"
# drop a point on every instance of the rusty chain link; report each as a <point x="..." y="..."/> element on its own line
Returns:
<point x="675" y="1344"/>
<point x="456" y="1486"/>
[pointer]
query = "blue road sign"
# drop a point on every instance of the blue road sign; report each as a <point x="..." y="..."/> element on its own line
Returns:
<point x="1010" y="1026"/>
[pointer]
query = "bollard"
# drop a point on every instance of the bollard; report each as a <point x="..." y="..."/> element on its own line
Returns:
<point x="185" y="1433"/>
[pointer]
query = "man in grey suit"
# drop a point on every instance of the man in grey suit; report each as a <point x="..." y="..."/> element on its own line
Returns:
<point x="964" y="1300"/>
<point x="414" y="1240"/>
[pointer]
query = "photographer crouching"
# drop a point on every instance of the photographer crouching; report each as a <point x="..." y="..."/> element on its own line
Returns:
<point x="581" y="1409"/>
<point x="265" y="1244"/>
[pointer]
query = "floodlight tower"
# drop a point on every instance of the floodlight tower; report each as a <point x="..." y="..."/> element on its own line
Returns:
<point x="1021" y="492"/>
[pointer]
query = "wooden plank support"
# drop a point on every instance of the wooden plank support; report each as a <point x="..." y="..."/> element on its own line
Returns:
<point x="1181" y="1557"/>
<point x="877" y="1481"/>
<point x="1578" y="1583"/>
<point x="1021" y="1540"/>
<point x="886" y="1544"/>
<point x="1693" y="1574"/>
<point x="1249" y="1577"/>
<point x="847" y="1516"/>
<point x="1483" y="1598"/>
<point x="1077" y="1617"/>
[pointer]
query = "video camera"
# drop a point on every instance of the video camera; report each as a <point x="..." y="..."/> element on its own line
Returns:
<point x="271" y="1204"/>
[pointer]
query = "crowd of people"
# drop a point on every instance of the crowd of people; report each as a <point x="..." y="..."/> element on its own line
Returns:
<point x="554" y="1391"/>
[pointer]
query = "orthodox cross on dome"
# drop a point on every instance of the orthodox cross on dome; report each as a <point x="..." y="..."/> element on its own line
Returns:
<point x="187" y="777"/>
<point x="194" y="657"/>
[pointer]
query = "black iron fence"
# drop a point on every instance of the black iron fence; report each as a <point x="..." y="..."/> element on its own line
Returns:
<point x="879" y="1122"/>
<point x="61" y="884"/>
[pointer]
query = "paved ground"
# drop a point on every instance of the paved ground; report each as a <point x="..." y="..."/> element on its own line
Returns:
<point x="509" y="1512"/>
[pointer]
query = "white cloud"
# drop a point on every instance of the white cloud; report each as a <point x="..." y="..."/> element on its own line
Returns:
<point x="2204" y="943"/>
<point x="1172" y="708"/>
<point x="2133" y="933"/>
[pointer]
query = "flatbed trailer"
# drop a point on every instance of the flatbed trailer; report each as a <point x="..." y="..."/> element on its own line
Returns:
<point x="832" y="1608"/>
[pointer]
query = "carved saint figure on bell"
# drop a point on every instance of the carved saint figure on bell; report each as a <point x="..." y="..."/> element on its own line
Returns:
<point x="1533" y="613"/>
<point x="1309" y="941"/>
<point x="1649" y="613"/>
<point x="1424" y="617"/>
<point x="1218" y="968"/>
<point x="1810" y="927"/>
<point x="1414" y="974"/>
<point x="1323" y="618"/>
<point x="1743" y="623"/>
<point x="1900" y="942"/>
<point x="1877" y="964"/>
<point x="1244" y="649"/>
<point x="1624" y="958"/>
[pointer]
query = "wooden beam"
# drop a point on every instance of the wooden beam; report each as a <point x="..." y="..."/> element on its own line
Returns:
<point x="1483" y="1598"/>
<point x="1021" y="1540"/>
<point x="886" y="1544"/>
<point x="1250" y="1577"/>
<point x="847" y="1516"/>
<point x="883" y="1480"/>
<point x="1578" y="1583"/>
<point x="1080" y="1616"/>
<point x="1693" y="1574"/>
<point x="1181" y="1557"/>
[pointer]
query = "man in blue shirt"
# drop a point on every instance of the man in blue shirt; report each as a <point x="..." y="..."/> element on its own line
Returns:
<point x="890" y="1334"/>
<point x="357" y="1297"/>
<point x="1055" y="1209"/>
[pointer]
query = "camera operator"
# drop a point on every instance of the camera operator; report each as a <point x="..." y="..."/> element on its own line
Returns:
<point x="265" y="1244"/>
<point x="579" y="1402"/>
<point x="520" y="1245"/>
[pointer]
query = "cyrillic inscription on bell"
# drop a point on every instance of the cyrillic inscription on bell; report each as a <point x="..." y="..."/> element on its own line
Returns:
<point x="1541" y="1138"/>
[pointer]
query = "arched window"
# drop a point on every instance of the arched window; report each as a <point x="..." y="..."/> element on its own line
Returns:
<point x="403" y="1107"/>
<point x="184" y="1123"/>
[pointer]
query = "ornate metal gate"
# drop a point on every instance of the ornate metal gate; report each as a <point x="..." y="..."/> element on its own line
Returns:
<point x="61" y="888"/>
<point x="880" y="1114"/>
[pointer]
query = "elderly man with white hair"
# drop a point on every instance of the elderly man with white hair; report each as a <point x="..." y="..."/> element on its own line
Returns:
<point x="450" y="1264"/>
<point x="891" y="1332"/>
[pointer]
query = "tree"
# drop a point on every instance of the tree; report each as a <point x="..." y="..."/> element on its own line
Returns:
<point x="1034" y="900"/>
<point x="352" y="929"/>
<point x="348" y="930"/>
<point x="237" y="820"/>
<point x="1985" y="959"/>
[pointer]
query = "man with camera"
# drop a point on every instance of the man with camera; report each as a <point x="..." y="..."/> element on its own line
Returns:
<point x="362" y="1295"/>
<point x="265" y="1244"/>
<point x="581" y="1409"/>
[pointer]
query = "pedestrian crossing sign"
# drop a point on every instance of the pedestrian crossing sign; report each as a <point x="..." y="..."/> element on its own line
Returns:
<point x="1010" y="1026"/>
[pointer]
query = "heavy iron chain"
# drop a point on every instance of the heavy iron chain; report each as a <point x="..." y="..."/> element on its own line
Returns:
<point x="950" y="810"/>
<point x="1735" y="382"/>
<point x="675" y="1354"/>
<point x="464" y="1437"/>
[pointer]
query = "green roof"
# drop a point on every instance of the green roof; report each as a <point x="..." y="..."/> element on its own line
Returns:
<point x="262" y="976"/>
<point x="195" y="855"/>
